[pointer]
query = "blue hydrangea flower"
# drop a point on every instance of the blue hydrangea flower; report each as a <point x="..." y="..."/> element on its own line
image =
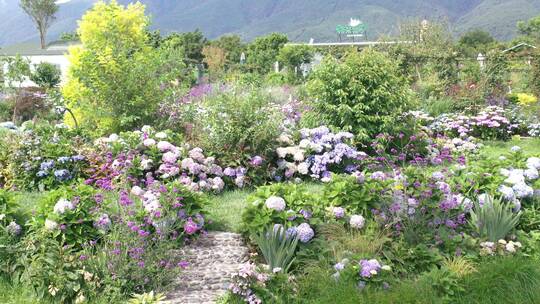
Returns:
<point x="47" y="165"/>
<point x="62" y="174"/>
<point x="305" y="232"/>
<point x="42" y="173"/>
<point x="64" y="159"/>
<point x="77" y="158"/>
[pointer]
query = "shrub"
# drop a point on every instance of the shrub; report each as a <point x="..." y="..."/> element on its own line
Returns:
<point x="46" y="156"/>
<point x="68" y="214"/>
<point x="296" y="206"/>
<point x="46" y="75"/>
<point x="116" y="79"/>
<point x="234" y="126"/>
<point x="363" y="94"/>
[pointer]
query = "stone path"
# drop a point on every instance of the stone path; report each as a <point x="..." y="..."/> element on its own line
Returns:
<point x="212" y="258"/>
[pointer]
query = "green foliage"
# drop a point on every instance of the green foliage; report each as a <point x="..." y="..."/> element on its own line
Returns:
<point x="496" y="74"/>
<point x="78" y="222"/>
<point x="263" y="52"/>
<point x="355" y="197"/>
<point x="475" y="41"/>
<point x="52" y="269"/>
<point x="494" y="220"/>
<point x="502" y="280"/>
<point x="46" y="75"/>
<point x="363" y="94"/>
<point x="44" y="143"/>
<point x="233" y="47"/>
<point x="116" y="79"/>
<point x="227" y="130"/>
<point x="292" y="56"/>
<point x="277" y="248"/>
<point x="147" y="298"/>
<point x="256" y="216"/>
<point x="190" y="43"/>
<point x="530" y="28"/>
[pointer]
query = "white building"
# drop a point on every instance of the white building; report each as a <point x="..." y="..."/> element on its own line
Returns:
<point x="55" y="53"/>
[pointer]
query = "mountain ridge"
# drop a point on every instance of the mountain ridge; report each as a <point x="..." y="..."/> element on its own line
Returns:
<point x="301" y="20"/>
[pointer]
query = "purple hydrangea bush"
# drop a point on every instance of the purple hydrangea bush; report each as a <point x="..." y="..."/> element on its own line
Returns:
<point x="318" y="153"/>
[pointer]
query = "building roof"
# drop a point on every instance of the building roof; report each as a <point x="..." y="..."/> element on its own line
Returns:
<point x="34" y="49"/>
<point x="519" y="45"/>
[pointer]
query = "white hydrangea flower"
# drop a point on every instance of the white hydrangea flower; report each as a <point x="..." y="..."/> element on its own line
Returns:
<point x="507" y="192"/>
<point x="62" y="206"/>
<point x="275" y="202"/>
<point x="146" y="164"/>
<point x="151" y="206"/>
<point x="282" y="152"/>
<point x="533" y="162"/>
<point x="357" y="221"/>
<point x="149" y="142"/>
<point x="50" y="225"/>
<point x="113" y="138"/>
<point x="136" y="190"/>
<point x="531" y="173"/>
<point x="515" y="149"/>
<point x="515" y="177"/>
<point x="303" y="168"/>
<point x="522" y="190"/>
<point x="161" y="135"/>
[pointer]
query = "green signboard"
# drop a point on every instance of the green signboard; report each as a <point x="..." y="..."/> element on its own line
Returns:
<point x="355" y="28"/>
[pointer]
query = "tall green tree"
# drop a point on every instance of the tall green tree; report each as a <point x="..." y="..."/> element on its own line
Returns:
<point x="117" y="79"/>
<point x="292" y="56"/>
<point x="191" y="43"/>
<point x="42" y="13"/>
<point x="263" y="52"/>
<point x="233" y="47"/>
<point x="530" y="28"/>
<point x="475" y="41"/>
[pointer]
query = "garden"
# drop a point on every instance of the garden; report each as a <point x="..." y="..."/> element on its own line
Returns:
<point x="401" y="173"/>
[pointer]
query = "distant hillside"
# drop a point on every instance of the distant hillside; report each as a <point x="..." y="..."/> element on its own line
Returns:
<point x="300" y="19"/>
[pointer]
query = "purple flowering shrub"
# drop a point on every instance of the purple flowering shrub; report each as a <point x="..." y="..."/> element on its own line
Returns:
<point x="46" y="157"/>
<point x="490" y="123"/>
<point x="289" y="205"/>
<point x="255" y="284"/>
<point x="365" y="271"/>
<point x="425" y="208"/>
<point x="317" y="153"/>
<point x="135" y="157"/>
<point x="163" y="210"/>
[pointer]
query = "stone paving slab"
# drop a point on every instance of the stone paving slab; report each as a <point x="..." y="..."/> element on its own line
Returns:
<point x="213" y="258"/>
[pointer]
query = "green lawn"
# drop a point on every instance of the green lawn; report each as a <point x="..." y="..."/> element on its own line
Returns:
<point x="225" y="209"/>
<point x="530" y="146"/>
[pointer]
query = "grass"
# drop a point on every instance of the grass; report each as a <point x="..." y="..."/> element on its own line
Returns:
<point x="529" y="146"/>
<point x="225" y="210"/>
<point x="10" y="294"/>
<point x="497" y="280"/>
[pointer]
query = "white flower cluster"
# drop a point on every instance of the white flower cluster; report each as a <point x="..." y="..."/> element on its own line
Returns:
<point x="275" y="202"/>
<point x="516" y="183"/>
<point x="62" y="206"/>
<point x="502" y="247"/>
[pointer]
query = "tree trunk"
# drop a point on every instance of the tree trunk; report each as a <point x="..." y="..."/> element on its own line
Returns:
<point x="42" y="38"/>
